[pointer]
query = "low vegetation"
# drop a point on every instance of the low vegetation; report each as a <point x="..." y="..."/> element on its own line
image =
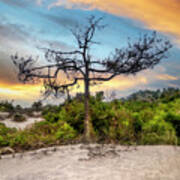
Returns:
<point x="146" y="117"/>
<point x="19" y="117"/>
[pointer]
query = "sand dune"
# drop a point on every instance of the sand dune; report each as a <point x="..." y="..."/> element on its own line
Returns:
<point x="21" y="125"/>
<point x="94" y="162"/>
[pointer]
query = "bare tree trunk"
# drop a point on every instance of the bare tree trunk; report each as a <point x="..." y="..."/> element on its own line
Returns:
<point x="87" y="123"/>
<point x="88" y="128"/>
<point x="68" y="95"/>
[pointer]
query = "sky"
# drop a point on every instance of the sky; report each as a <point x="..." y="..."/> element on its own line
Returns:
<point x="26" y="25"/>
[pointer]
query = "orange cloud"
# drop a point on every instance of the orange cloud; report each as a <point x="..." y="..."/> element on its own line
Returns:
<point x="121" y="83"/>
<point x="20" y="91"/>
<point x="118" y="83"/>
<point x="166" y="77"/>
<point x="30" y="93"/>
<point x="162" y="15"/>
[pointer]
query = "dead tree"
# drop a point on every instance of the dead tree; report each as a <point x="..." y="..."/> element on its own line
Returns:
<point x="78" y="65"/>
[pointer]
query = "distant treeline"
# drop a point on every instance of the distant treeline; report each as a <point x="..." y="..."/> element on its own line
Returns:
<point x="166" y="94"/>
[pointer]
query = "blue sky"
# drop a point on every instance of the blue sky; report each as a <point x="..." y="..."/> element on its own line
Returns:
<point x="26" y="25"/>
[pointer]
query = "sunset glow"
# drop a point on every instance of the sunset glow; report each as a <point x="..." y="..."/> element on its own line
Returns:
<point x="160" y="15"/>
<point x="27" y="25"/>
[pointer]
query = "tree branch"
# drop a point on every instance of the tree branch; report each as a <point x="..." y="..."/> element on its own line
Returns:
<point x="103" y="79"/>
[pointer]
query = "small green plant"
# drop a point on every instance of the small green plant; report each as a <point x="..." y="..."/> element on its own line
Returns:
<point x="3" y="141"/>
<point x="2" y="108"/>
<point x="19" y="118"/>
<point x="65" y="132"/>
<point x="51" y="117"/>
<point x="19" y="140"/>
<point x="158" y="132"/>
<point x="6" y="106"/>
<point x="174" y="119"/>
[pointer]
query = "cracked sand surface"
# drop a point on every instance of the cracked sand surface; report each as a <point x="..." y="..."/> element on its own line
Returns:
<point x="94" y="162"/>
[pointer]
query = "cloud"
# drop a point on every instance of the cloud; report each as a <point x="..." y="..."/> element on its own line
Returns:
<point x="123" y="85"/>
<point x="11" y="35"/>
<point x="58" y="45"/>
<point x="17" y="3"/>
<point x="12" y="30"/>
<point x="166" y="77"/>
<point x="39" y="2"/>
<point x="31" y="92"/>
<point x="157" y="78"/>
<point x="177" y="85"/>
<point x="59" y="19"/>
<point x="16" y="38"/>
<point x="8" y="74"/>
<point x="161" y="15"/>
<point x="13" y="38"/>
<point x="20" y="92"/>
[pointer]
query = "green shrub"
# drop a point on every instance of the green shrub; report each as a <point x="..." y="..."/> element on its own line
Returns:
<point x="137" y="124"/>
<point x="19" y="139"/>
<point x="19" y="118"/>
<point x="2" y="108"/>
<point x="51" y="117"/>
<point x="6" y="106"/>
<point x="140" y="118"/>
<point x="120" y="121"/>
<point x="3" y="141"/>
<point x="112" y="121"/>
<point x="158" y="131"/>
<point x="65" y="132"/>
<point x="5" y="130"/>
<point x="43" y="128"/>
<point x="101" y="115"/>
<point x="174" y="119"/>
<point x="73" y="114"/>
<point x="123" y="126"/>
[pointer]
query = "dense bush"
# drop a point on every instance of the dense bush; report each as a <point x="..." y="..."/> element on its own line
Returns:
<point x="73" y="114"/>
<point x="52" y="117"/>
<point x="65" y="132"/>
<point x="120" y="121"/>
<point x="157" y="131"/>
<point x="3" y="141"/>
<point x="19" y="118"/>
<point x="20" y="139"/>
<point x="5" y="133"/>
<point x="6" y="106"/>
<point x="130" y="121"/>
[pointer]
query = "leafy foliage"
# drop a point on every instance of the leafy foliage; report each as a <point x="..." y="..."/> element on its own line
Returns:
<point x="6" y="106"/>
<point x="65" y="132"/>
<point x="130" y="121"/>
<point x="19" y="117"/>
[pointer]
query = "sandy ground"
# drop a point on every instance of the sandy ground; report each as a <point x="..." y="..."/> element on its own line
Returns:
<point x="94" y="162"/>
<point x="21" y="125"/>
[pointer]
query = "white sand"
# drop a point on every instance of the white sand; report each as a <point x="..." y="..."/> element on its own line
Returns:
<point x="21" y="125"/>
<point x="94" y="162"/>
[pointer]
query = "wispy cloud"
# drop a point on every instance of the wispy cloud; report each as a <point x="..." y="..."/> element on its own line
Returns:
<point x="59" y="19"/>
<point x="166" y="77"/>
<point x="20" y="92"/>
<point x="39" y="2"/>
<point x="121" y="84"/>
<point x="17" y="3"/>
<point x="160" y="14"/>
